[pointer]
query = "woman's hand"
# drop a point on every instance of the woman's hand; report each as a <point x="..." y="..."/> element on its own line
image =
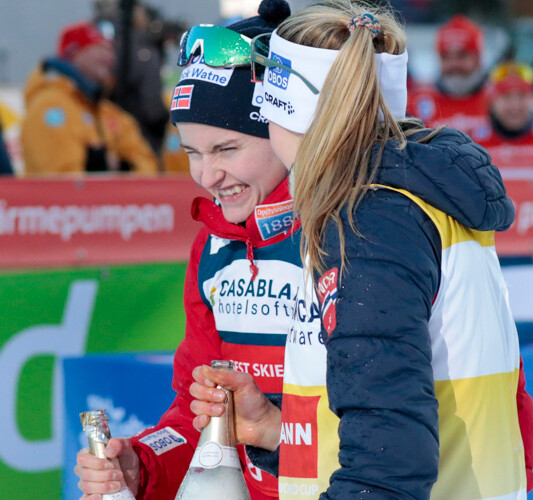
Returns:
<point x="99" y="476"/>
<point x="257" y="420"/>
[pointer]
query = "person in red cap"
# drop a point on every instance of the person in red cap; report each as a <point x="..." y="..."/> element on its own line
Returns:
<point x="457" y="99"/>
<point x="70" y="126"/>
<point x="509" y="133"/>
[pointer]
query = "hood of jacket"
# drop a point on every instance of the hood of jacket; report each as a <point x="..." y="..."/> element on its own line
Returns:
<point x="63" y="76"/>
<point x="451" y="173"/>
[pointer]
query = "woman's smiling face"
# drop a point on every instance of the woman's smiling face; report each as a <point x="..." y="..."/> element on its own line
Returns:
<point x="239" y="170"/>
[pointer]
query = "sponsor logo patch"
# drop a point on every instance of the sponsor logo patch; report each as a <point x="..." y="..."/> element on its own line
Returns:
<point x="172" y="142"/>
<point x="259" y="95"/>
<point x="426" y="108"/>
<point x="55" y="117"/>
<point x="258" y="117"/>
<point x="274" y="219"/>
<point x="163" y="440"/>
<point x="182" y="97"/>
<point x="87" y="118"/>
<point x="198" y="70"/>
<point x="279" y="77"/>
<point x="257" y="100"/>
<point x="327" y="293"/>
<point x="481" y="133"/>
<point x="265" y="364"/>
<point x="278" y="103"/>
<point x="299" y="436"/>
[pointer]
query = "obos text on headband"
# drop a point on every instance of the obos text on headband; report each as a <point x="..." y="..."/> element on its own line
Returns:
<point x="260" y="61"/>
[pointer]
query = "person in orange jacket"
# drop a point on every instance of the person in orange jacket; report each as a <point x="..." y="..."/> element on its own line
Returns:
<point x="458" y="98"/>
<point x="508" y="136"/>
<point x="70" y="126"/>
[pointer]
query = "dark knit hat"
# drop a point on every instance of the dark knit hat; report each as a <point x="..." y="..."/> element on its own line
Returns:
<point x="225" y="97"/>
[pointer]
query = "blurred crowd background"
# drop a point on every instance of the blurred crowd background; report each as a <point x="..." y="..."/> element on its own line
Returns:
<point x="143" y="77"/>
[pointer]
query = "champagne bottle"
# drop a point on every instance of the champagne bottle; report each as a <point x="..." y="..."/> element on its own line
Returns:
<point x="95" y="426"/>
<point x="215" y="470"/>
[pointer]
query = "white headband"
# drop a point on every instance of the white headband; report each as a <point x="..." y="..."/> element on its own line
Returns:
<point x="291" y="104"/>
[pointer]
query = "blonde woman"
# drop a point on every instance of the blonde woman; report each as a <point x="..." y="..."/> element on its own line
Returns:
<point x="410" y="391"/>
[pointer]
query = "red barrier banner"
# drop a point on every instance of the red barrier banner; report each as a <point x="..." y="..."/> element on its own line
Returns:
<point x="518" y="240"/>
<point x="96" y="220"/>
<point x="102" y="220"/>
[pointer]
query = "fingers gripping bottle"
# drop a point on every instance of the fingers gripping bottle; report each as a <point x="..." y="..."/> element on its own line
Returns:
<point x="215" y="470"/>
<point x="95" y="427"/>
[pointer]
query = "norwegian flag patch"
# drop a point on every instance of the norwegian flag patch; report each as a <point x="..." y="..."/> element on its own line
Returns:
<point x="182" y="97"/>
<point x="327" y="293"/>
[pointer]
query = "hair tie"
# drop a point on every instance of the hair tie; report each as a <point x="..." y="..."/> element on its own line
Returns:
<point x="366" y="20"/>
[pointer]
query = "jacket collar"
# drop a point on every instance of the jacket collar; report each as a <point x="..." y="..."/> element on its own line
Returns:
<point x="452" y="174"/>
<point x="89" y="89"/>
<point x="211" y="215"/>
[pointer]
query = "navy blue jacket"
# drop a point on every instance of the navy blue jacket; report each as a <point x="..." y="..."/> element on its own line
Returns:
<point x="391" y="278"/>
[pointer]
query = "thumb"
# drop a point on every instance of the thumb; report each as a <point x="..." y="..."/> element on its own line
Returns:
<point x="122" y="453"/>
<point x="115" y="447"/>
<point x="128" y="458"/>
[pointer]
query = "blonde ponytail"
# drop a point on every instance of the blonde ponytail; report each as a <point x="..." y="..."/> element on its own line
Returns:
<point x="332" y="168"/>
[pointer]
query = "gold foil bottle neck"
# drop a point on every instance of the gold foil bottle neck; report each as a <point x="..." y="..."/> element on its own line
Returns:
<point x="94" y="418"/>
<point x="95" y="425"/>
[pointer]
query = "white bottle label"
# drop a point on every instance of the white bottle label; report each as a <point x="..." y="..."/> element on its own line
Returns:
<point x="211" y="455"/>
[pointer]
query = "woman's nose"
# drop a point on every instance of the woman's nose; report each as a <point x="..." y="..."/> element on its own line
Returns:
<point x="212" y="174"/>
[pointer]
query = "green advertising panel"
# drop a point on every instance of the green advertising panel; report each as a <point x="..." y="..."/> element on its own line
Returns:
<point x="50" y="314"/>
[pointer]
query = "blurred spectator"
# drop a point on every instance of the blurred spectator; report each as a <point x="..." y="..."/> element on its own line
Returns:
<point x="142" y="94"/>
<point x="457" y="99"/>
<point x="509" y="135"/>
<point x="5" y="163"/>
<point x="141" y="88"/>
<point x="70" y="126"/>
<point x="175" y="159"/>
<point x="416" y="11"/>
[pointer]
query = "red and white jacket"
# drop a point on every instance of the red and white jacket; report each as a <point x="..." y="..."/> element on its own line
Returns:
<point x="239" y="294"/>
<point x="435" y="108"/>
<point x="510" y="154"/>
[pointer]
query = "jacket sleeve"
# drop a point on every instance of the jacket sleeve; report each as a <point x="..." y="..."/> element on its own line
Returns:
<point x="379" y="374"/>
<point x="525" y="419"/>
<point x="163" y="471"/>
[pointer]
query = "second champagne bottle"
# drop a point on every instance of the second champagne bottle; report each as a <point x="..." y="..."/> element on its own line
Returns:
<point x="215" y="470"/>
